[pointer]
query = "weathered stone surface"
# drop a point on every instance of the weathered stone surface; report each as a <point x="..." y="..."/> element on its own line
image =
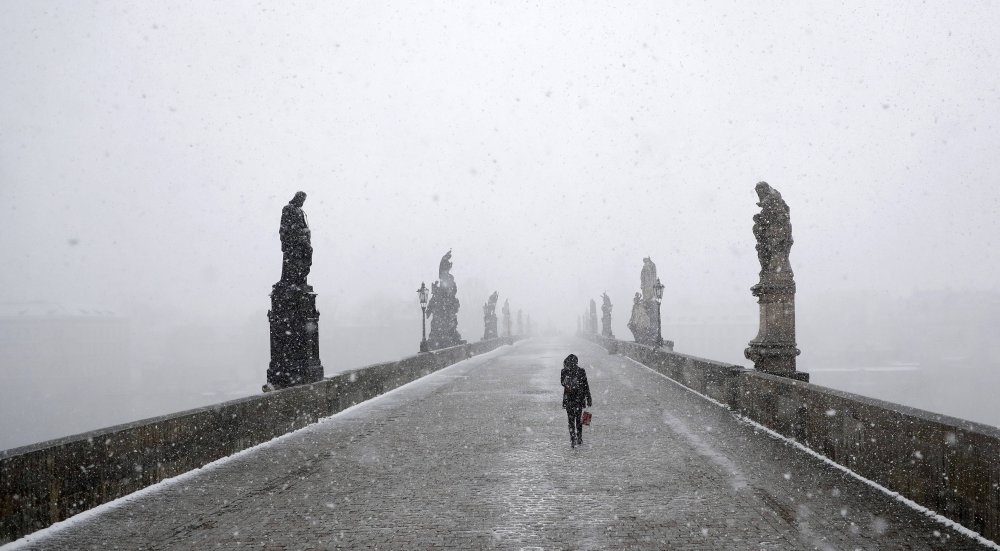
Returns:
<point x="296" y="242"/>
<point x="443" y="308"/>
<point x="293" y="317"/>
<point x="294" y="322"/>
<point x="644" y="323"/>
<point x="773" y="350"/>
<point x="946" y="464"/>
<point x="716" y="380"/>
<point x="50" y="481"/>
<point x="478" y="458"/>
<point x="639" y="323"/>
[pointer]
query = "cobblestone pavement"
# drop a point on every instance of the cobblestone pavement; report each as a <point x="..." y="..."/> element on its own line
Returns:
<point x="477" y="456"/>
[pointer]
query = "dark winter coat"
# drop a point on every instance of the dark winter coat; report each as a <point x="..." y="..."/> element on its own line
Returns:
<point x="576" y="390"/>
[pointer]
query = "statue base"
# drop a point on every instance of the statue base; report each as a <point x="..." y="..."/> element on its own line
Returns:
<point x="773" y="351"/>
<point x="294" y="336"/>
<point x="775" y="359"/>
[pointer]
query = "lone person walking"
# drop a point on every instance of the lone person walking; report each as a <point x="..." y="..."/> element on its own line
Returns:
<point x="576" y="392"/>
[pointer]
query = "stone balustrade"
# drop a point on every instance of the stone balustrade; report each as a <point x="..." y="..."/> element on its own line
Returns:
<point x="50" y="481"/>
<point x="949" y="465"/>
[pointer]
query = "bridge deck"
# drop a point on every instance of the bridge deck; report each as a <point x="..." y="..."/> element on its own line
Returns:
<point x="478" y="456"/>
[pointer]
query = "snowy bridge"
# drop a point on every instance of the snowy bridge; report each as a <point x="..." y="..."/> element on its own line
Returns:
<point x="477" y="456"/>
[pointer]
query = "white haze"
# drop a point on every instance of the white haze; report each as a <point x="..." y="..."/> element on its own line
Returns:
<point x="146" y="151"/>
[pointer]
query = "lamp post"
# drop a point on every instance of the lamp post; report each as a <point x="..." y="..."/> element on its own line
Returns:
<point x="422" y="293"/>
<point x="658" y="293"/>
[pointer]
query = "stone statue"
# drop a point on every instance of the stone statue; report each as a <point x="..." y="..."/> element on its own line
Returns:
<point x="293" y="316"/>
<point x="506" y="318"/>
<point x="639" y="323"/>
<point x="520" y="323"/>
<point x="296" y="246"/>
<point x="490" y="317"/>
<point x="773" y="350"/>
<point x="645" y="320"/>
<point x="443" y="308"/>
<point x="772" y="227"/>
<point x="606" y="316"/>
<point x="647" y="279"/>
<point x="592" y="316"/>
<point x="444" y="268"/>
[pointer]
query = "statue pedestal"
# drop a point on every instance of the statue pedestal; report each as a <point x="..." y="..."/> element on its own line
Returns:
<point x="650" y="332"/>
<point x="491" y="328"/>
<point x="294" y="336"/>
<point x="773" y="350"/>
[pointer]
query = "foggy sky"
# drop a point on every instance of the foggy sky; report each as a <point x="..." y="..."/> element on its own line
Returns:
<point x="146" y="151"/>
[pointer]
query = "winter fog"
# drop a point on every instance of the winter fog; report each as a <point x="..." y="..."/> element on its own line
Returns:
<point x="146" y="152"/>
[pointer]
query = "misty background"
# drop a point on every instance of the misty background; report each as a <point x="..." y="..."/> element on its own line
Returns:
<point x="146" y="151"/>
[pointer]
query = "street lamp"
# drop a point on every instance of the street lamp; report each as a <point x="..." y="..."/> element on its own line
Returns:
<point x="658" y="293"/>
<point x="422" y="293"/>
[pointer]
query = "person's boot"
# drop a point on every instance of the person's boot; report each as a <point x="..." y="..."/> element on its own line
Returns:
<point x="579" y="439"/>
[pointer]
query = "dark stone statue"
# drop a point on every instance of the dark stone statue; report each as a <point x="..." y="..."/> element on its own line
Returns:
<point x="506" y="318"/>
<point x="606" y="316"/>
<point x="443" y="308"/>
<point x="293" y="316"/>
<point x="772" y="227"/>
<point x="490" y="317"/>
<point x="296" y="246"/>
<point x="773" y="350"/>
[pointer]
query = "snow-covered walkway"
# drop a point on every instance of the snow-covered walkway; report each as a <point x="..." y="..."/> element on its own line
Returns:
<point x="477" y="456"/>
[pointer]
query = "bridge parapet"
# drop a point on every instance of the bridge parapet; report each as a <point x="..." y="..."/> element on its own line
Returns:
<point x="948" y="465"/>
<point x="50" y="481"/>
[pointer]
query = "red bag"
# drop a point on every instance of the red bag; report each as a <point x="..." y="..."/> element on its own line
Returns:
<point x="586" y="418"/>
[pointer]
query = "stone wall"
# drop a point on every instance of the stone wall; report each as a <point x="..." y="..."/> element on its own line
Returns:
<point x="716" y="380"/>
<point x="47" y="482"/>
<point x="948" y="465"/>
<point x="951" y="466"/>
